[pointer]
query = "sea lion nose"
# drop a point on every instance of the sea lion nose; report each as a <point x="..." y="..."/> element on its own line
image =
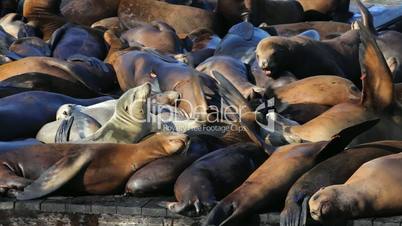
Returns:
<point x="264" y="64"/>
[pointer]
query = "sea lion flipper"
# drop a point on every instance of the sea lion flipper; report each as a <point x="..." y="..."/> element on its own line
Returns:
<point x="63" y="132"/>
<point x="378" y="89"/>
<point x="57" y="175"/>
<point x="343" y="138"/>
<point x="304" y="211"/>
<point x="196" y="84"/>
<point x="367" y="18"/>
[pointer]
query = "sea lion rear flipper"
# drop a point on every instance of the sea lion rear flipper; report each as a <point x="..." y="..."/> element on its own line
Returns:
<point x="378" y="89"/>
<point x="57" y="175"/>
<point x="343" y="138"/>
<point x="304" y="211"/>
<point x="63" y="132"/>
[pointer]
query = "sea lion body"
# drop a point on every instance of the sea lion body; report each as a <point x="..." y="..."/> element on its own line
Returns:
<point x="372" y="191"/>
<point x="211" y="177"/>
<point x="335" y="170"/>
<point x="13" y="24"/>
<point x="36" y="160"/>
<point x="13" y="145"/>
<point x="31" y="46"/>
<point x="42" y="109"/>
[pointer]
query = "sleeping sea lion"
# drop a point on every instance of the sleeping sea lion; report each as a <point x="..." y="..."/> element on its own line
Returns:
<point x="266" y="188"/>
<point x="335" y="170"/>
<point x="81" y="168"/>
<point x="212" y="177"/>
<point x="19" y="123"/>
<point x="374" y="190"/>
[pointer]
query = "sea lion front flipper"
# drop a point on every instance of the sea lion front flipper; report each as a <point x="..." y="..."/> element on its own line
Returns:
<point x="312" y="34"/>
<point x="378" y="89"/>
<point x="343" y="138"/>
<point x="304" y="211"/>
<point x="367" y="18"/>
<point x="57" y="175"/>
<point x="63" y="132"/>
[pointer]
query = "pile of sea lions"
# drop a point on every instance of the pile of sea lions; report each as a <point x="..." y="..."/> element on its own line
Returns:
<point x="235" y="107"/>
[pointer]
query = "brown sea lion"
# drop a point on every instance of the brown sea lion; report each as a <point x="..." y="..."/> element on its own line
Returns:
<point x="191" y="18"/>
<point x="266" y="188"/>
<point x="378" y="101"/>
<point x="19" y="123"/>
<point x="81" y="168"/>
<point x="157" y="35"/>
<point x="374" y="190"/>
<point x="91" y="73"/>
<point x="211" y="177"/>
<point x="327" y="7"/>
<point x="88" y="11"/>
<point x="335" y="170"/>
<point x="44" y="14"/>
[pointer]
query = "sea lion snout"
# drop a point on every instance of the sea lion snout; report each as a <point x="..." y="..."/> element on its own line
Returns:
<point x="321" y="204"/>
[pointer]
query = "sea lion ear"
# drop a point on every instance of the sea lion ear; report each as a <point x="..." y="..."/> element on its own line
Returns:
<point x="57" y="175"/>
<point x="312" y="34"/>
<point x="378" y="89"/>
<point x="338" y="142"/>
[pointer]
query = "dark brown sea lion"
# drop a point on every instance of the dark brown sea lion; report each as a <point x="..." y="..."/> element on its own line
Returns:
<point x="89" y="72"/>
<point x="73" y="39"/>
<point x="44" y="14"/>
<point x="81" y="168"/>
<point x="157" y="35"/>
<point x="159" y="176"/>
<point x="335" y="170"/>
<point x="137" y="67"/>
<point x="30" y="46"/>
<point x="267" y="187"/>
<point x="191" y="18"/>
<point x="374" y="190"/>
<point x="88" y="11"/>
<point x="19" y="123"/>
<point x="213" y="176"/>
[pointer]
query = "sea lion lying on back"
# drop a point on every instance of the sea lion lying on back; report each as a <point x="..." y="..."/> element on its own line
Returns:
<point x="49" y="167"/>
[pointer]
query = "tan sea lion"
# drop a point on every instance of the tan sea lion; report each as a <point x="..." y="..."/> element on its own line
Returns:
<point x="374" y="190"/>
<point x="335" y="170"/>
<point x="266" y="188"/>
<point x="82" y="168"/>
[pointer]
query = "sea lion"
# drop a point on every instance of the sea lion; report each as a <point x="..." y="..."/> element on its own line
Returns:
<point x="157" y="35"/>
<point x="378" y="101"/>
<point x="107" y="24"/>
<point x="191" y="18"/>
<point x="85" y="166"/>
<point x="266" y="188"/>
<point x="159" y="176"/>
<point x="211" y="177"/>
<point x="14" y="24"/>
<point x="335" y="170"/>
<point x="136" y="67"/>
<point x="88" y="11"/>
<point x="18" y="123"/>
<point x="13" y="145"/>
<point x="30" y="46"/>
<point x="44" y="14"/>
<point x="129" y="123"/>
<point x="89" y="72"/>
<point x="374" y="190"/>
<point x="241" y="41"/>
<point x="72" y="39"/>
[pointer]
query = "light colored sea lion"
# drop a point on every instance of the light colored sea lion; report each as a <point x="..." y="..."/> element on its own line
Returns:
<point x="335" y="170"/>
<point x="19" y="123"/>
<point x="211" y="177"/>
<point x="88" y="11"/>
<point x="71" y="39"/>
<point x="81" y="168"/>
<point x="157" y="35"/>
<point x="191" y="18"/>
<point x="266" y="188"/>
<point x="374" y="190"/>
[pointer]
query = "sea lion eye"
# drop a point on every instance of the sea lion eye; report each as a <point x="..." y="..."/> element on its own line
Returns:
<point x="126" y="108"/>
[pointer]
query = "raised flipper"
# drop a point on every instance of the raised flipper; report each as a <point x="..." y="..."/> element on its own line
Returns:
<point x="367" y="18"/>
<point x="378" y="89"/>
<point x="57" y="175"/>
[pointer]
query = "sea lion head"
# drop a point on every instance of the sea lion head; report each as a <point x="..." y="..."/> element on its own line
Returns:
<point x="325" y="205"/>
<point x="272" y="55"/>
<point x="65" y="110"/>
<point x="170" y="143"/>
<point x="132" y="106"/>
